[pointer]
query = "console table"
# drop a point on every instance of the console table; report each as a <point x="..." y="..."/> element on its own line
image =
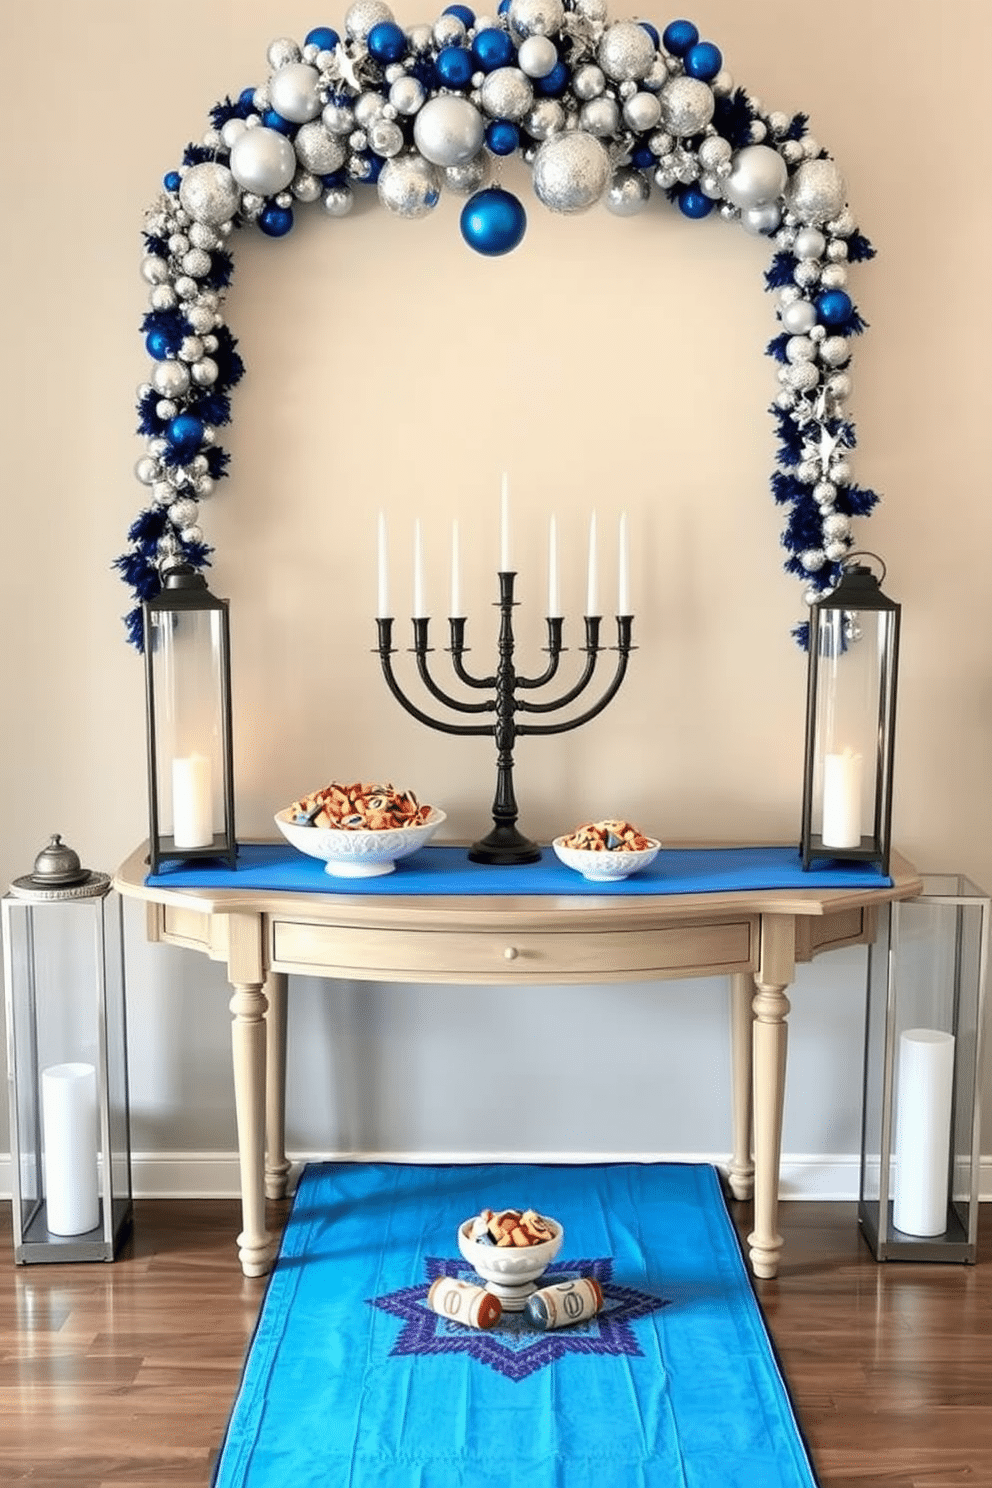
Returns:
<point x="754" y="937"/>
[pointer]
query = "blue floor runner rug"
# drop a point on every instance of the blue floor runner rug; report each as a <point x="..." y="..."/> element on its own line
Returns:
<point x="352" y="1381"/>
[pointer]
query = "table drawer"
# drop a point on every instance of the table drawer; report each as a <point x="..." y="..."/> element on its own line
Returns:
<point x="489" y="956"/>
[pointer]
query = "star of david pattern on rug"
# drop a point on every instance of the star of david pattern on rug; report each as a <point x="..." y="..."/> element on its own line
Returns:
<point x="515" y="1348"/>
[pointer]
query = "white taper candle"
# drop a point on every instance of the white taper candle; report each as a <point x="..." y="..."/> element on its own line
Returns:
<point x="504" y="524"/>
<point x="592" y="591"/>
<point x="382" y="607"/>
<point x="419" y="604"/>
<point x="554" y="596"/>
<point x="456" y="574"/>
<point x="623" y="568"/>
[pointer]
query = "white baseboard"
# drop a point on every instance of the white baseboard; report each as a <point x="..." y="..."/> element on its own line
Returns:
<point x="215" y="1175"/>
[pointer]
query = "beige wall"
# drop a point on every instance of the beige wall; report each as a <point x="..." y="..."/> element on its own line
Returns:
<point x="607" y="363"/>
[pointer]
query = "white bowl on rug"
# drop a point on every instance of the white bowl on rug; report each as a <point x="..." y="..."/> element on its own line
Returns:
<point x="605" y="866"/>
<point x="508" y="1271"/>
<point x="362" y="853"/>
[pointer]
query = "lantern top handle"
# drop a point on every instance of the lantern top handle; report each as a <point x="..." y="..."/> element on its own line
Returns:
<point x="849" y="562"/>
<point x="858" y="588"/>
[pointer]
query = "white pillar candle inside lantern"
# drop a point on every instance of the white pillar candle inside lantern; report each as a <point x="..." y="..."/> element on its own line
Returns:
<point x="68" y="1102"/>
<point x="842" y="776"/>
<point x="923" y="1131"/>
<point x="192" y="802"/>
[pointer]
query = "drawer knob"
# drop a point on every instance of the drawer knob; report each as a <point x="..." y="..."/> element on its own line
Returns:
<point x="510" y="954"/>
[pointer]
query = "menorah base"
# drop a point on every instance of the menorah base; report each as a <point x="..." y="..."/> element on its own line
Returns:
<point x="504" y="845"/>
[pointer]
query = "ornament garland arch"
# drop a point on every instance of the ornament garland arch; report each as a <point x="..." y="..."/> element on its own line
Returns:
<point x="603" y="111"/>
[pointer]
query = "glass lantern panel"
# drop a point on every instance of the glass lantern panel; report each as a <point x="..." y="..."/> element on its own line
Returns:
<point x="118" y="1153"/>
<point x="854" y="653"/>
<point x="22" y="1058"/>
<point x="187" y="661"/>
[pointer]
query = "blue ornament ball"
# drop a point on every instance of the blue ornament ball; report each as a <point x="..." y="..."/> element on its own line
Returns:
<point x="246" y="101"/>
<point x="466" y="16"/>
<point x="455" y="66"/>
<point x="502" y="137"/>
<point x="387" y="42"/>
<point x="324" y="37"/>
<point x="184" y="434"/>
<point x="161" y="345"/>
<point x="703" y="61"/>
<point x="694" y="203"/>
<point x="643" y="157"/>
<point x="272" y="120"/>
<point x="275" y="221"/>
<point x="834" y="307"/>
<point x="554" y="84"/>
<point x="493" y="48"/>
<point x="493" y="222"/>
<point x="172" y="181"/>
<point x="678" y="37"/>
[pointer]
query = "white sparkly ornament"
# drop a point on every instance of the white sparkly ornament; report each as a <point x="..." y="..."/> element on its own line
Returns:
<point x="816" y="192"/>
<point x="205" y="372"/>
<point x="467" y="178"/>
<point x="338" y="200"/>
<point x="409" y="186"/>
<point x="507" y="94"/>
<point x="588" y="82"/>
<point x="571" y="172"/>
<point x="363" y="15"/>
<point x="171" y="379"/>
<point x="209" y="192"/>
<point x="687" y="106"/>
<point x="626" y="51"/>
<point x="281" y="51"/>
<point x="812" y="560"/>
<point x="628" y="192"/>
<point x="535" y="17"/>
<point x="546" y="118"/>
<point x="835" y="351"/>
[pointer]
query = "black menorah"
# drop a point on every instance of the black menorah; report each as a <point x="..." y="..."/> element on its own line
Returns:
<point x="506" y="686"/>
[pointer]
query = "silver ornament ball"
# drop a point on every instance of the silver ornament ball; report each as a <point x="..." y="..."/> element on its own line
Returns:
<point x="571" y="172"/>
<point x="338" y="200"/>
<point x="507" y="94"/>
<point x="263" y="161"/>
<point x="642" y="111"/>
<point x="535" y="17"/>
<point x="628" y="192"/>
<point x="319" y="151"/>
<point x="294" y="92"/>
<point x="449" y="130"/>
<point x="758" y="176"/>
<point x="625" y="51"/>
<point x="409" y="186"/>
<point x="601" y="117"/>
<point x="546" y="118"/>
<point x="209" y="192"/>
<point x="816" y="192"/>
<point x="537" y="56"/>
<point x="363" y="15"/>
<point x="687" y="106"/>
<point x="588" y="82"/>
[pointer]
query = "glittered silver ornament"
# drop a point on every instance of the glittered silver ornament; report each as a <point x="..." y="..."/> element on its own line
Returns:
<point x="449" y="30"/>
<point x="812" y="560"/>
<point x="834" y="351"/>
<point x="546" y="118"/>
<point x="183" y="513"/>
<point x="687" y="105"/>
<point x="801" y="377"/>
<point x="448" y="130"/>
<point x="535" y="17"/>
<point x="263" y="161"/>
<point x="816" y="192"/>
<point x="758" y="175"/>
<point x="338" y="118"/>
<point x="592" y="10"/>
<point x="588" y="82"/>
<point x="320" y="152"/>
<point x="507" y="94"/>
<point x="625" y="51"/>
<point x="196" y="262"/>
<point x="800" y="349"/>
<point x="163" y="297"/>
<point x="281" y="51"/>
<point x="294" y="92"/>
<point x="839" y="386"/>
<point x="601" y="117"/>
<point x="363" y="15"/>
<point x="642" y="111"/>
<point x="204" y="372"/>
<point x="628" y="192"/>
<point x="154" y="270"/>
<point x="338" y="200"/>
<point x="467" y="178"/>
<point x="571" y="172"/>
<point x="409" y="186"/>
<point x="147" y="470"/>
<point x="537" y="56"/>
<point x="306" y="186"/>
<point x="836" y="526"/>
<point x="833" y="276"/>
<point x="209" y="192"/>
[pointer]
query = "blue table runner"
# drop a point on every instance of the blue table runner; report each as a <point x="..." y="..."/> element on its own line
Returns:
<point x="277" y="867"/>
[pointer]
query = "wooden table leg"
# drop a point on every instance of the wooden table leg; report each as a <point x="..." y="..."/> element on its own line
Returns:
<point x="277" y="1164"/>
<point x="255" y="1245"/>
<point x="740" y="1173"/>
<point x="771" y="1009"/>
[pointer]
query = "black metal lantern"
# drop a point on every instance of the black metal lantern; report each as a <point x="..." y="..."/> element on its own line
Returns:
<point x="190" y="745"/>
<point x="850" y="719"/>
<point x="70" y="1145"/>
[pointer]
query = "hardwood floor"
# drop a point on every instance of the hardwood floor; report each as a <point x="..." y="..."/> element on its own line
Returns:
<point x="124" y="1374"/>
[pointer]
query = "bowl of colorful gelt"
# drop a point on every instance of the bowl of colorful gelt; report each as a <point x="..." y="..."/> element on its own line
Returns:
<point x="606" y="851"/>
<point x="358" y="830"/>
<point x="510" y="1250"/>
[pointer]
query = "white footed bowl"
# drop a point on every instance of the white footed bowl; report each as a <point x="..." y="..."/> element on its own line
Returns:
<point x="359" y="854"/>
<point x="510" y="1272"/>
<point x="605" y="866"/>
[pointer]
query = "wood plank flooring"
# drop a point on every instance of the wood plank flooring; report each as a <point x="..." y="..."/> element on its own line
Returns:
<point x="122" y="1375"/>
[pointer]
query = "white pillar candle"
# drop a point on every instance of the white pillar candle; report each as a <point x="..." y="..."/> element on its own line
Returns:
<point x="68" y="1110"/>
<point x="842" y="799"/>
<point x="623" y="568"/>
<point x="382" y="607"/>
<point x="554" y="595"/>
<point x="456" y="575"/>
<point x="419" y="602"/>
<point x="592" y="590"/>
<point x="192" y="802"/>
<point x="504" y="525"/>
<point x="923" y="1131"/>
